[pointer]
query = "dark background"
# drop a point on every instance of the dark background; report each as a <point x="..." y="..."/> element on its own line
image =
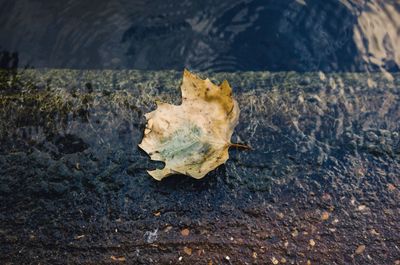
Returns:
<point x="275" y="35"/>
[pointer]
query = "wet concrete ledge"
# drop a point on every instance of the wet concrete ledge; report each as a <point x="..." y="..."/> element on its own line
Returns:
<point x="320" y="187"/>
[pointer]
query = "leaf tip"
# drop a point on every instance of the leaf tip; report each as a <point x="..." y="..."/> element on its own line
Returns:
<point x="155" y="174"/>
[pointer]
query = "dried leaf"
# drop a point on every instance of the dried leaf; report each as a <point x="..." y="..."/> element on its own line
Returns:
<point x="192" y="138"/>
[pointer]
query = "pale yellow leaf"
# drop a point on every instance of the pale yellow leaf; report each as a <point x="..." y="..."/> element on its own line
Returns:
<point x="192" y="138"/>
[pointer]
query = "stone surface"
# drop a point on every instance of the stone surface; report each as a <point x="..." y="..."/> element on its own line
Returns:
<point x="74" y="187"/>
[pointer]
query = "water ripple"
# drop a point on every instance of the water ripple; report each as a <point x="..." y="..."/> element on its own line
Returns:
<point x="301" y="35"/>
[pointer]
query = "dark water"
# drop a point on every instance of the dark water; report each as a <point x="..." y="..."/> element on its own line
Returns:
<point x="275" y="35"/>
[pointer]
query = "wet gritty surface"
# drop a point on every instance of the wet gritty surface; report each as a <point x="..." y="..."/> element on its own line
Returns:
<point x="321" y="185"/>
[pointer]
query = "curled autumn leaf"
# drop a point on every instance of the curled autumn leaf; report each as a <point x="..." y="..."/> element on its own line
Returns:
<point x="192" y="138"/>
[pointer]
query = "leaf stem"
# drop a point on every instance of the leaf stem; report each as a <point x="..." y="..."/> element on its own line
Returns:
<point x="243" y="146"/>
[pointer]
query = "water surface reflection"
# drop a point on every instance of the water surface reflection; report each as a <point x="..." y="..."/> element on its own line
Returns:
<point x="302" y="35"/>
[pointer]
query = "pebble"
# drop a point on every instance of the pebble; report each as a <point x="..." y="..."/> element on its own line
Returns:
<point x="80" y="236"/>
<point x="325" y="216"/>
<point x="118" y="258"/>
<point x="362" y="207"/>
<point x="185" y="232"/>
<point x="326" y="197"/>
<point x="167" y="228"/>
<point x="187" y="250"/>
<point x="374" y="232"/>
<point x="391" y="187"/>
<point x="360" y="249"/>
